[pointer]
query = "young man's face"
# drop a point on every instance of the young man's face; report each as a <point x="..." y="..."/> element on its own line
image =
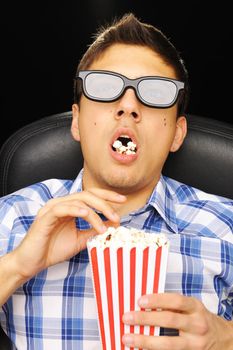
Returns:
<point x="154" y="131"/>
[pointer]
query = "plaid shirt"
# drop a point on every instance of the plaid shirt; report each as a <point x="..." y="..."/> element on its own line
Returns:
<point x="56" y="309"/>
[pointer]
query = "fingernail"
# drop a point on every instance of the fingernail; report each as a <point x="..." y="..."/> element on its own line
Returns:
<point x="127" y="317"/>
<point x="103" y="228"/>
<point x="114" y="216"/>
<point x="83" y="211"/>
<point x="143" y="301"/>
<point x="127" y="339"/>
<point x="121" y="197"/>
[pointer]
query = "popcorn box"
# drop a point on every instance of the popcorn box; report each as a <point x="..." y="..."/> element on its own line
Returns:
<point x="125" y="263"/>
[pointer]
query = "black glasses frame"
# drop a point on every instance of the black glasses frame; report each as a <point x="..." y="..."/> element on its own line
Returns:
<point x="129" y="83"/>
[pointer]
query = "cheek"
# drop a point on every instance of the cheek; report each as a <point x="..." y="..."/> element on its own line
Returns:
<point x="167" y="123"/>
<point x="160" y="123"/>
<point x="160" y="132"/>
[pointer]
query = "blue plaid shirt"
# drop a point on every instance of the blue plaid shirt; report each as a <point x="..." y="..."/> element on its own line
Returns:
<point x="56" y="310"/>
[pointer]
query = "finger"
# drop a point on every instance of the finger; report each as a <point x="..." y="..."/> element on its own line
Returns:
<point x="166" y="319"/>
<point x="169" y="301"/>
<point x="88" y="199"/>
<point x="152" y="342"/>
<point x="100" y="205"/>
<point x="107" y="195"/>
<point x="72" y="209"/>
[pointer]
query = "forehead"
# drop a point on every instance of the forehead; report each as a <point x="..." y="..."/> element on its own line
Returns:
<point x="133" y="61"/>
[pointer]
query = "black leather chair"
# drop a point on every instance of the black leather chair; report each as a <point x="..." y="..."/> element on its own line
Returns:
<point x="45" y="149"/>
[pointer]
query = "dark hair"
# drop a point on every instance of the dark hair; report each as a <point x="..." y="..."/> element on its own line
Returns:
<point x="129" y="30"/>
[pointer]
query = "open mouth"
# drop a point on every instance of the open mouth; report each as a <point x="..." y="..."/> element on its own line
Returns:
<point x="124" y="145"/>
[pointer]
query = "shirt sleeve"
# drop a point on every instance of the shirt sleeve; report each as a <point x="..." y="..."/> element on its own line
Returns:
<point x="19" y="209"/>
<point x="7" y="219"/>
<point x="16" y="215"/>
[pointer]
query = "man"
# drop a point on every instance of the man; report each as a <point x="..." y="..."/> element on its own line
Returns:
<point x="130" y="94"/>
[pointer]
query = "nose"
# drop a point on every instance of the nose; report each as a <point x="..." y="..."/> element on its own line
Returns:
<point x="128" y="105"/>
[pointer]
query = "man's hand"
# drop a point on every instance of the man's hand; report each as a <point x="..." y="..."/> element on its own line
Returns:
<point x="53" y="236"/>
<point x="198" y="328"/>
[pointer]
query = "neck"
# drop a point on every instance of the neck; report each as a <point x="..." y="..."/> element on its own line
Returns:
<point x="135" y="199"/>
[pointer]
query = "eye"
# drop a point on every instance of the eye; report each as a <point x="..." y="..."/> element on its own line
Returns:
<point x="104" y="86"/>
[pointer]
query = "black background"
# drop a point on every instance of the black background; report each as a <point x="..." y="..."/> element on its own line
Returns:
<point x="42" y="42"/>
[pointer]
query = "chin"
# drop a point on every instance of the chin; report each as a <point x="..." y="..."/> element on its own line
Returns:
<point x="123" y="182"/>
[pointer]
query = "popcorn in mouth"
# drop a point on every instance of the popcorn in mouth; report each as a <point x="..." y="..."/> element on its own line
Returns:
<point x="124" y="145"/>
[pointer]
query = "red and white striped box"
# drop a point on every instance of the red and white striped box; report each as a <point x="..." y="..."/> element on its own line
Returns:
<point x="122" y="271"/>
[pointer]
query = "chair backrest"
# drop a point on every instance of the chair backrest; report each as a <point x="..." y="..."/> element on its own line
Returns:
<point x="45" y="149"/>
<point x="5" y="343"/>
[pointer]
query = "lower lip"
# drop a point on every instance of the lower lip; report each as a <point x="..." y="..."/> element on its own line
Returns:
<point x="123" y="158"/>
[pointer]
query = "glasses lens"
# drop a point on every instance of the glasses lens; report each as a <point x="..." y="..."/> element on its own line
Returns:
<point x="157" y="92"/>
<point x="103" y="86"/>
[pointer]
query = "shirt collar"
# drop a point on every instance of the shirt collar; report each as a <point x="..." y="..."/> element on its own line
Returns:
<point x="78" y="183"/>
<point x="161" y="199"/>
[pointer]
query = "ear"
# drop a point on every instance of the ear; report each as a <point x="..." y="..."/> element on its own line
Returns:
<point x="180" y="133"/>
<point x="75" y="126"/>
